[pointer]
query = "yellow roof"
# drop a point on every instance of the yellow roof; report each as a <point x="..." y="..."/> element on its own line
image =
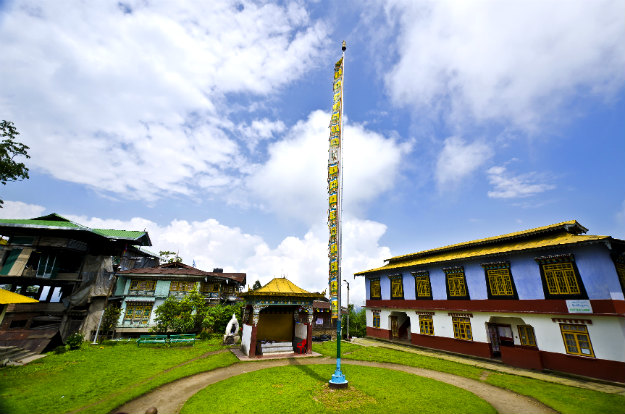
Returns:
<point x="280" y="286"/>
<point x="7" y="297"/>
<point x="512" y="242"/>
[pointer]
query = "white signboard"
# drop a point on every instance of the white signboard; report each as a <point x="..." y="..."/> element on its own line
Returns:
<point x="579" y="306"/>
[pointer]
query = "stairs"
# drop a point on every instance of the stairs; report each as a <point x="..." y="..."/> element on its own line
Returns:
<point x="277" y="348"/>
<point x="12" y="355"/>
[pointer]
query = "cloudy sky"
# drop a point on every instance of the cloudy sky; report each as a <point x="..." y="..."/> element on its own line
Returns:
<point x="207" y="124"/>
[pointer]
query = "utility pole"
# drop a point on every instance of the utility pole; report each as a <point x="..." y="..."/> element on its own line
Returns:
<point x="347" y="308"/>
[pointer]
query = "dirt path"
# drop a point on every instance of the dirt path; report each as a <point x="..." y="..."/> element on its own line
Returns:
<point x="170" y="398"/>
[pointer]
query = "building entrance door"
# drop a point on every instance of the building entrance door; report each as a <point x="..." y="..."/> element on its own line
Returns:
<point x="493" y="335"/>
<point x="394" y="327"/>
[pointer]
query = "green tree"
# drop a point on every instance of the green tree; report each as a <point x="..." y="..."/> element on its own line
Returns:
<point x="181" y="315"/>
<point x="357" y="322"/>
<point x="217" y="317"/>
<point x="257" y="285"/>
<point x="109" y="320"/>
<point x="10" y="169"/>
<point x="167" y="256"/>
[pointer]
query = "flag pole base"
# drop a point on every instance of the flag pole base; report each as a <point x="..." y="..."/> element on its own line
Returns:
<point x="338" y="380"/>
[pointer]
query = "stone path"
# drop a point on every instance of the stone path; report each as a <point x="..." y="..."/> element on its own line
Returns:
<point x="170" y="398"/>
<point x="493" y="366"/>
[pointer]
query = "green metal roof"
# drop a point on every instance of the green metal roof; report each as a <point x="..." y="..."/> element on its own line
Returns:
<point x="119" y="234"/>
<point x="42" y="223"/>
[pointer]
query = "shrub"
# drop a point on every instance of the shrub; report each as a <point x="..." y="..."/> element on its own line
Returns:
<point x="74" y="340"/>
<point x="61" y="349"/>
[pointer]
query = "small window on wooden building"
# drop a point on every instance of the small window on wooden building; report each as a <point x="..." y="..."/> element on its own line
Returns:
<point x="210" y="288"/>
<point x="177" y="286"/>
<point x="139" y="285"/>
<point x="374" y="289"/>
<point x="397" y="287"/>
<point x="376" y="319"/>
<point x="426" y="325"/>
<point x="576" y="340"/>
<point x="456" y="283"/>
<point x="526" y="335"/>
<point x="561" y="278"/>
<point x="462" y="328"/>
<point x="423" y="287"/>
<point x="138" y="313"/>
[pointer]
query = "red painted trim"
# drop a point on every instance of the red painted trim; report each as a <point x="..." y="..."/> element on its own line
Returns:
<point x="309" y="339"/>
<point x="589" y="367"/>
<point x="522" y="357"/>
<point x="480" y="349"/>
<point x="378" y="333"/>
<point x="605" y="307"/>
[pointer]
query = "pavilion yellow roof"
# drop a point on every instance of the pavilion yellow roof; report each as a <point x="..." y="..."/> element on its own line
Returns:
<point x="7" y="297"/>
<point x="281" y="286"/>
<point x="547" y="236"/>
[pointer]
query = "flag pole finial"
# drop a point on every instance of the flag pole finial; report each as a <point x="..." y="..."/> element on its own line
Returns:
<point x="344" y="46"/>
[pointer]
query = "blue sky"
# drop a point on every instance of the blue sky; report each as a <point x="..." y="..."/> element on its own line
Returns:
<point x="207" y="125"/>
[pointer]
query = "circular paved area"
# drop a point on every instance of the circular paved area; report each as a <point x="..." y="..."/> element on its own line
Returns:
<point x="171" y="397"/>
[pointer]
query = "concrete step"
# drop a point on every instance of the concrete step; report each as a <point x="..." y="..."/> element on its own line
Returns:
<point x="272" y="348"/>
<point x="12" y="355"/>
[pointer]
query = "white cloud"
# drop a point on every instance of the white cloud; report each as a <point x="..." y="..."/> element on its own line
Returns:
<point x="459" y="159"/>
<point x="293" y="181"/>
<point x="20" y="210"/>
<point x="303" y="260"/>
<point x="514" y="62"/>
<point x="135" y="98"/>
<point x="506" y="185"/>
<point x="260" y="130"/>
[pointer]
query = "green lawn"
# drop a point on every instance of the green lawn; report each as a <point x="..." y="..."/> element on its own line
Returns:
<point x="562" y="398"/>
<point x="304" y="389"/>
<point x="111" y="375"/>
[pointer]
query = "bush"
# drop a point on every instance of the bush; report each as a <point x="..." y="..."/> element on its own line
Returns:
<point x="61" y="349"/>
<point x="74" y="340"/>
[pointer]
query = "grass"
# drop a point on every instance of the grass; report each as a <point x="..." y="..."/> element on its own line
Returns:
<point x="100" y="377"/>
<point x="562" y="398"/>
<point x="304" y="389"/>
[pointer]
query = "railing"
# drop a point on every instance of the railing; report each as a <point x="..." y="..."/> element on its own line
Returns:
<point x="141" y="293"/>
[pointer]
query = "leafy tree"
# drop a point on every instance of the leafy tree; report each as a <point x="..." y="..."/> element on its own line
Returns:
<point x="11" y="170"/>
<point x="257" y="285"/>
<point x="167" y="256"/>
<point x="218" y="316"/>
<point x="181" y="315"/>
<point x="109" y="320"/>
<point x="357" y="322"/>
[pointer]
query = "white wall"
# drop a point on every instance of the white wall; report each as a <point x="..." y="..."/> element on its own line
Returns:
<point x="246" y="338"/>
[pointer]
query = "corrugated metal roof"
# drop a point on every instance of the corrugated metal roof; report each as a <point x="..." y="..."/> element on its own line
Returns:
<point x="472" y="251"/>
<point x="119" y="234"/>
<point x="7" y="297"/>
<point x="281" y="286"/>
<point x="181" y="270"/>
<point x="42" y="223"/>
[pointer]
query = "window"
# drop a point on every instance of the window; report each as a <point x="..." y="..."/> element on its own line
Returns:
<point x="137" y="313"/>
<point x="376" y="319"/>
<point x="375" y="291"/>
<point x="423" y="288"/>
<point x="526" y="335"/>
<point x="456" y="283"/>
<point x="426" y="324"/>
<point x="138" y="285"/>
<point x="499" y="281"/>
<point x="397" y="287"/>
<point x="210" y="288"/>
<point x="228" y="288"/>
<point x="576" y="340"/>
<point x="462" y="328"/>
<point x="177" y="286"/>
<point x="560" y="278"/>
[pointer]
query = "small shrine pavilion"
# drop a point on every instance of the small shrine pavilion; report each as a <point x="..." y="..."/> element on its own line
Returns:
<point x="278" y="319"/>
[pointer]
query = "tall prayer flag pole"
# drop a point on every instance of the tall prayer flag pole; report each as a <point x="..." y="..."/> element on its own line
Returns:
<point x="335" y="199"/>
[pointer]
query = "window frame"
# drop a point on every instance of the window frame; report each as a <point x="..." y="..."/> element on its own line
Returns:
<point x="143" y="320"/>
<point x="376" y="319"/>
<point x="456" y="272"/>
<point x="136" y="282"/>
<point x="375" y="281"/>
<point x="426" y="321"/>
<point x="459" y="322"/>
<point x="498" y="267"/>
<point x="527" y="335"/>
<point x="182" y="286"/>
<point x="567" y="259"/>
<point x="566" y="329"/>
<point x="397" y="280"/>
<point x="423" y="277"/>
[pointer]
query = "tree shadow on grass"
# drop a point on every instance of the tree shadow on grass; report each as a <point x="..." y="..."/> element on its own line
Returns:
<point x="307" y="371"/>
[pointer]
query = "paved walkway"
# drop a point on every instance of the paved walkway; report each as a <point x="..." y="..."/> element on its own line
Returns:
<point x="493" y="366"/>
<point x="171" y="397"/>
